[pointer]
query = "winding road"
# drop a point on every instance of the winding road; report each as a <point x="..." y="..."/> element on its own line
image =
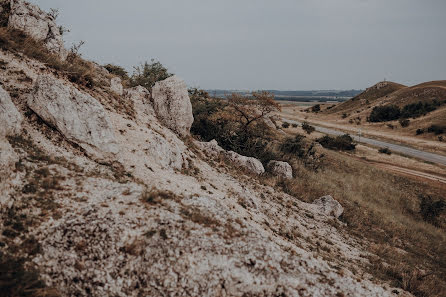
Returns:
<point x="405" y="150"/>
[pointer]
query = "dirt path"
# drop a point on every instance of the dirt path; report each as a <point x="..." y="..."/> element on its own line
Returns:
<point x="413" y="173"/>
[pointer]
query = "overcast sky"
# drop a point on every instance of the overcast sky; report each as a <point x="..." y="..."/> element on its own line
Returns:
<point x="264" y="44"/>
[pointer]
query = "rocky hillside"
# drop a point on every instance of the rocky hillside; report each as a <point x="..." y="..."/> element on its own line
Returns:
<point x="105" y="193"/>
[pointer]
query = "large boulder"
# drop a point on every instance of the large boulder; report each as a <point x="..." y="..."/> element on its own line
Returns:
<point x="10" y="118"/>
<point x="251" y="164"/>
<point x="77" y="115"/>
<point x="38" y="25"/>
<point x="172" y="105"/>
<point x="282" y="169"/>
<point x="329" y="206"/>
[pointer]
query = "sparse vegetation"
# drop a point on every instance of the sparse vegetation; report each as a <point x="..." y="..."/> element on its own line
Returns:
<point x="117" y="70"/>
<point x="75" y="68"/>
<point x="285" y="125"/>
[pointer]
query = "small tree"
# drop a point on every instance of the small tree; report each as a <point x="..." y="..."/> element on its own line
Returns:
<point x="249" y="110"/>
<point x="148" y="74"/>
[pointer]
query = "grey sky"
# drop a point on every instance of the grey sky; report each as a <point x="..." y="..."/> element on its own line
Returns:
<point x="264" y="44"/>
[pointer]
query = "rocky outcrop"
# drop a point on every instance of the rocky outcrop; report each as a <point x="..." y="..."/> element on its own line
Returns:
<point x="11" y="124"/>
<point x="251" y="164"/>
<point x="116" y="86"/>
<point x="38" y="25"/>
<point x="210" y="148"/>
<point x="10" y="118"/>
<point x="77" y="115"/>
<point x="329" y="206"/>
<point x="140" y="98"/>
<point x="282" y="169"/>
<point x="172" y="105"/>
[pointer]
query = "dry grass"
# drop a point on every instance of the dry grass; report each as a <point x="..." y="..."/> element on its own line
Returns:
<point x="76" y="69"/>
<point x="383" y="209"/>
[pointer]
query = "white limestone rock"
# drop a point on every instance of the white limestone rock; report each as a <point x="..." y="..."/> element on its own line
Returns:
<point x="77" y="115"/>
<point x="282" y="169"/>
<point x="172" y="105"/>
<point x="11" y="124"/>
<point x="249" y="163"/>
<point x="210" y="148"/>
<point x="329" y="206"/>
<point x="116" y="86"/>
<point x="38" y="25"/>
<point x="10" y="118"/>
<point x="140" y="98"/>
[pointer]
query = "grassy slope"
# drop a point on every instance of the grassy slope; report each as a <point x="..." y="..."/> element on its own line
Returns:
<point x="361" y="105"/>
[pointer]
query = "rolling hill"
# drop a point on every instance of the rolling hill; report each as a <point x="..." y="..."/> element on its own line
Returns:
<point x="358" y="109"/>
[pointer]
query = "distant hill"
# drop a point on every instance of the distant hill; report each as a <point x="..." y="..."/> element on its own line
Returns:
<point x="390" y="93"/>
<point x="298" y="95"/>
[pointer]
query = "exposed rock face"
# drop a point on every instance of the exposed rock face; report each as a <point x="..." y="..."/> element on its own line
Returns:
<point x="116" y="86"/>
<point x="279" y="168"/>
<point x="172" y="105"/>
<point x="78" y="116"/>
<point x="140" y="97"/>
<point x="210" y="148"/>
<point x="37" y="24"/>
<point x="10" y="124"/>
<point x="251" y="164"/>
<point x="329" y="206"/>
<point x="10" y="118"/>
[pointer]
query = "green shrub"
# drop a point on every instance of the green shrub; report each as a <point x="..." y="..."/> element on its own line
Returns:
<point x="147" y="74"/>
<point x="117" y="70"/>
<point x="338" y="143"/>
<point x="430" y="209"/>
<point x="384" y="113"/>
<point x="418" y="109"/>
<point x="419" y="131"/>
<point x="316" y="108"/>
<point x="294" y="146"/>
<point x="384" y="150"/>
<point x="436" y="129"/>
<point x="404" y="123"/>
<point x="308" y="128"/>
